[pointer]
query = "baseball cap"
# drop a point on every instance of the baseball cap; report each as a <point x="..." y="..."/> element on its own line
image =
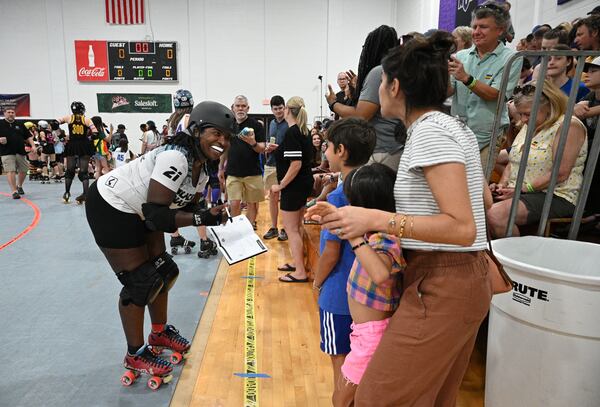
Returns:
<point x="595" y="63"/>
<point x="595" y="10"/>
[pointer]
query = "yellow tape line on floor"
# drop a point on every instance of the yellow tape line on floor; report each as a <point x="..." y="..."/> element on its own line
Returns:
<point x="250" y="358"/>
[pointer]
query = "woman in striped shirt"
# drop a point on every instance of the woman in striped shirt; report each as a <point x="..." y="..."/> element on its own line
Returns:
<point x="439" y="217"/>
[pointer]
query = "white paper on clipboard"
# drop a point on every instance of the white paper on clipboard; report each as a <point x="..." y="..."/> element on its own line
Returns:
<point x="236" y="240"/>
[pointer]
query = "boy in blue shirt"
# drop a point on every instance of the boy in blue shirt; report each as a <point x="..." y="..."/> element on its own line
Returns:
<point x="350" y="144"/>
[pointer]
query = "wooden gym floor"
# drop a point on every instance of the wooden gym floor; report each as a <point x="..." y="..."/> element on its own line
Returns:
<point x="287" y="340"/>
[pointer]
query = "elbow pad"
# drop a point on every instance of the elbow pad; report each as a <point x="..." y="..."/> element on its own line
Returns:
<point x="159" y="217"/>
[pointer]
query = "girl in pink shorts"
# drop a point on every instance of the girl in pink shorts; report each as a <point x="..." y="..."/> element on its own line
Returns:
<point x="375" y="281"/>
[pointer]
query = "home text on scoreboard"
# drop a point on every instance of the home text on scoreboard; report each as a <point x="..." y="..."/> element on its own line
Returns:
<point x="142" y="61"/>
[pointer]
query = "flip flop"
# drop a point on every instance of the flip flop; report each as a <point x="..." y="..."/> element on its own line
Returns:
<point x="292" y="279"/>
<point x="286" y="267"/>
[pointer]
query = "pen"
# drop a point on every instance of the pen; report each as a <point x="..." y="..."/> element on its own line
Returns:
<point x="228" y="215"/>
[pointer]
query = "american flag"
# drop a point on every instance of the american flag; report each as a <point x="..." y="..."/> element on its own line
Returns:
<point x="124" y="11"/>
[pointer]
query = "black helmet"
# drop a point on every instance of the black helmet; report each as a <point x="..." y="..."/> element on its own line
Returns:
<point x="212" y="114"/>
<point x="78" y="108"/>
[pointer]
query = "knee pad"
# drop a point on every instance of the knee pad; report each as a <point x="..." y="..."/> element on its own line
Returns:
<point x="167" y="269"/>
<point x="141" y="285"/>
<point x="38" y="164"/>
<point x="53" y="164"/>
<point x="69" y="174"/>
<point x="83" y="175"/>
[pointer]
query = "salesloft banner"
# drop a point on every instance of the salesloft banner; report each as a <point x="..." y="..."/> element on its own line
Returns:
<point x="134" y="103"/>
<point x="19" y="102"/>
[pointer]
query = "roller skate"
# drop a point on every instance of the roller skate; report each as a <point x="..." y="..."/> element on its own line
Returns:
<point x="146" y="362"/>
<point x="57" y="179"/>
<point x="66" y="197"/>
<point x="45" y="179"/>
<point x="180" y="241"/>
<point x="207" y="248"/>
<point x="169" y="339"/>
<point x="80" y="199"/>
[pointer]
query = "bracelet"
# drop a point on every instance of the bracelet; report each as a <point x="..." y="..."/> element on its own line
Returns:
<point x="529" y="187"/>
<point x="412" y="224"/>
<point x="392" y="224"/>
<point x="402" y="223"/>
<point x="469" y="80"/>
<point x="472" y="84"/>
<point x="316" y="287"/>
<point x="363" y="243"/>
<point x="332" y="105"/>
<point x="254" y="145"/>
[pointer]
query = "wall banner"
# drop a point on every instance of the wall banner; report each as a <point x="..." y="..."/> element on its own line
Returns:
<point x="19" y="102"/>
<point x="454" y="13"/>
<point x="91" y="60"/>
<point x="134" y="103"/>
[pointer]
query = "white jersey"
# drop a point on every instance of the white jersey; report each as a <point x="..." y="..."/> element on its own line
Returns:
<point x="126" y="187"/>
<point x="121" y="158"/>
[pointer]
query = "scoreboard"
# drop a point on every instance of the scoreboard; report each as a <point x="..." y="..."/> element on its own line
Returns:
<point x="142" y="61"/>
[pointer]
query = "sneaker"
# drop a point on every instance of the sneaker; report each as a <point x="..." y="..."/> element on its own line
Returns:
<point x="282" y="236"/>
<point x="20" y="191"/>
<point x="16" y="195"/>
<point x="271" y="234"/>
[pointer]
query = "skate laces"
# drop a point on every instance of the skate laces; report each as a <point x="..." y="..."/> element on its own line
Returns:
<point x="173" y="334"/>
<point x="147" y="356"/>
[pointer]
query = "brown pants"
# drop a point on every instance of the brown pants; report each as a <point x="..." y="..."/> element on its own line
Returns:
<point x="425" y="351"/>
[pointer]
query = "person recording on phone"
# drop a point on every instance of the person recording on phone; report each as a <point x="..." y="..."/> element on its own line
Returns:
<point x="476" y="74"/>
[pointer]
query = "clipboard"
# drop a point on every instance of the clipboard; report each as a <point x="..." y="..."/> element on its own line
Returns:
<point x="236" y="240"/>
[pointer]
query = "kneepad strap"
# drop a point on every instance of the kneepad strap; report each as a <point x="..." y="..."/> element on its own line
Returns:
<point x="141" y="285"/>
<point x="168" y="270"/>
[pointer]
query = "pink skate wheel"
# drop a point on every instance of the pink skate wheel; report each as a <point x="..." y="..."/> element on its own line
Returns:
<point x="128" y="378"/>
<point x="176" y="358"/>
<point x="154" y="382"/>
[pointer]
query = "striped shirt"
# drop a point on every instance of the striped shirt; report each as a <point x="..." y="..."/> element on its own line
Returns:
<point x="436" y="138"/>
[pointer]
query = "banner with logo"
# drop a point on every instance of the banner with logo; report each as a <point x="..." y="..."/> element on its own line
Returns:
<point x="91" y="60"/>
<point x="454" y="13"/>
<point x="134" y="103"/>
<point x="19" y="102"/>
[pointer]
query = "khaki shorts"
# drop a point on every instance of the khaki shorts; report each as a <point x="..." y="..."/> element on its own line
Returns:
<point x="15" y="163"/>
<point x="270" y="177"/>
<point x="248" y="189"/>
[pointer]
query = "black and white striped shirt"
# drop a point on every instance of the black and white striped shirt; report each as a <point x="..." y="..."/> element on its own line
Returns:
<point x="436" y="138"/>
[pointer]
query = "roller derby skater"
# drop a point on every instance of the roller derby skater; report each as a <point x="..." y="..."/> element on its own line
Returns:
<point x="129" y="210"/>
<point x="179" y="242"/>
<point x="78" y="146"/>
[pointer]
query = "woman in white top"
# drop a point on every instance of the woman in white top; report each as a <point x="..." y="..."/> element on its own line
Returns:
<point x="129" y="210"/>
<point x="439" y="217"/>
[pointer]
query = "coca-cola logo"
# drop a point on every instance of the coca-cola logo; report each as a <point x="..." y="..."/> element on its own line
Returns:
<point x="93" y="72"/>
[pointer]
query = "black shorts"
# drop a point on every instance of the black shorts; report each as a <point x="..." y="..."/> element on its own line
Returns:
<point x="534" y="201"/>
<point x="112" y="228"/>
<point x="294" y="197"/>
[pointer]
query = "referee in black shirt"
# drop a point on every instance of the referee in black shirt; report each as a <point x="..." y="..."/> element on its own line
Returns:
<point x="13" y="136"/>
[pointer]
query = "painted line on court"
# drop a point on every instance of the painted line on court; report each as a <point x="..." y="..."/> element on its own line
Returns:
<point x="250" y="353"/>
<point x="32" y="225"/>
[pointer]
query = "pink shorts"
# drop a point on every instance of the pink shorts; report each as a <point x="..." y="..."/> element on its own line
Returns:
<point x="364" y="339"/>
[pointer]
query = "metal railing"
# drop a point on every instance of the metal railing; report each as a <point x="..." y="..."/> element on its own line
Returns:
<point x="592" y="154"/>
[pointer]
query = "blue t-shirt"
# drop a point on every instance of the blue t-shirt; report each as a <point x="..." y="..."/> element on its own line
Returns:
<point x="277" y="130"/>
<point x="581" y="92"/>
<point x="333" y="297"/>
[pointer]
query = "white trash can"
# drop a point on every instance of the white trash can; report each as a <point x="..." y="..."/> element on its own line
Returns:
<point x="544" y="336"/>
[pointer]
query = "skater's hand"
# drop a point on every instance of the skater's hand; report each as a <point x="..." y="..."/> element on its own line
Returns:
<point x="2" y="140"/>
